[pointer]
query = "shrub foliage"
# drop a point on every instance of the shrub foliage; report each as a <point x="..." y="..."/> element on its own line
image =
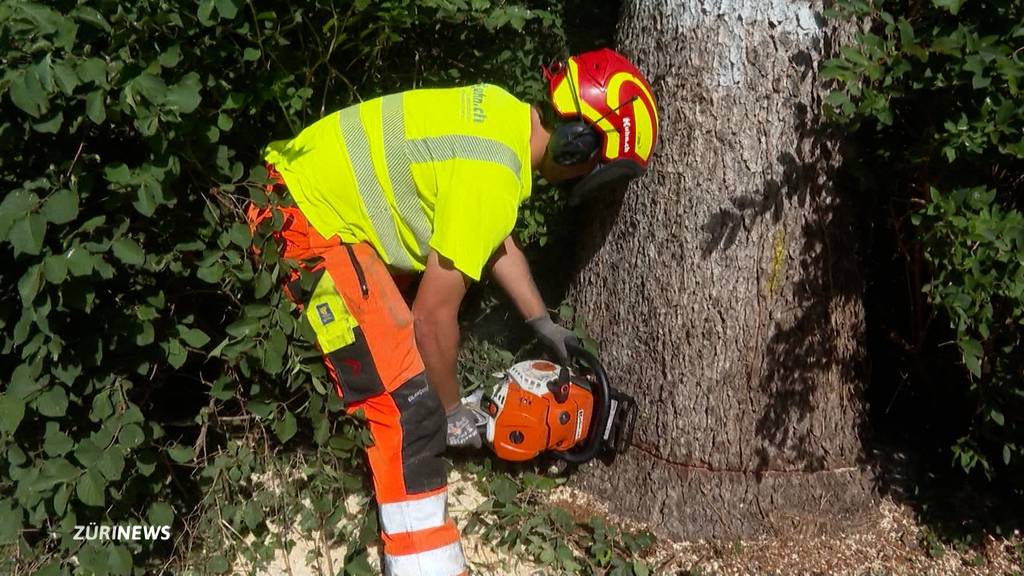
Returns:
<point x="934" y="91"/>
<point x="142" y="347"/>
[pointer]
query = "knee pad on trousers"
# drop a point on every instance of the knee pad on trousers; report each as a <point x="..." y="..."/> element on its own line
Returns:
<point x="423" y="432"/>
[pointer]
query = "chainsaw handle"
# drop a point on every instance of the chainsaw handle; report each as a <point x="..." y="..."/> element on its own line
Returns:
<point x="602" y="406"/>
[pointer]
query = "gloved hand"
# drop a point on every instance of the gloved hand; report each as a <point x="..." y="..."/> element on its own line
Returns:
<point x="462" y="429"/>
<point x="553" y="336"/>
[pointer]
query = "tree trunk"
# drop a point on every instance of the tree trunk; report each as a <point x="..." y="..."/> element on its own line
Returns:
<point x="725" y="287"/>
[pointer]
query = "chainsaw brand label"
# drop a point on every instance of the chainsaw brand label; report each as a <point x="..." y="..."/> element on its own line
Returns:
<point x="579" y="424"/>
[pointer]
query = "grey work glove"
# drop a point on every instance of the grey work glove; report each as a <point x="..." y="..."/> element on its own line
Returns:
<point x="462" y="429"/>
<point x="553" y="336"/>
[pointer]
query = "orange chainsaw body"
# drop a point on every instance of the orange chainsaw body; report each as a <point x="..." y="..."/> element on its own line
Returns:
<point x="531" y="412"/>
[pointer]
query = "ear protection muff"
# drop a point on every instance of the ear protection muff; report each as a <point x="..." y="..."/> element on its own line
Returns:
<point x="573" y="143"/>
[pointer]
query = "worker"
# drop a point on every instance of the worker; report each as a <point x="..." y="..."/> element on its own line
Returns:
<point x="429" y="181"/>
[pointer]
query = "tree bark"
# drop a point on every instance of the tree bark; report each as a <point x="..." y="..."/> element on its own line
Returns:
<point x="725" y="286"/>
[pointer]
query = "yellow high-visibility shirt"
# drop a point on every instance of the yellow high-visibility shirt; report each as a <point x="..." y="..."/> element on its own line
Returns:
<point x="442" y="169"/>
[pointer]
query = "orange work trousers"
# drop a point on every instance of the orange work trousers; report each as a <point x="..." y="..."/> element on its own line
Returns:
<point x="365" y="331"/>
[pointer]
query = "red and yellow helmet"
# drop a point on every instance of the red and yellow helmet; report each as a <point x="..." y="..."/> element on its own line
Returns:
<point x="606" y="92"/>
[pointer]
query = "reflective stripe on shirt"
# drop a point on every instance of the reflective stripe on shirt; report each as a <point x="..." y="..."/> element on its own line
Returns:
<point x="377" y="207"/>
<point x="400" y="154"/>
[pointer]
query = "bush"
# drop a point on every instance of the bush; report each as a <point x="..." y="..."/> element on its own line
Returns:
<point x="933" y="91"/>
<point x="140" y="340"/>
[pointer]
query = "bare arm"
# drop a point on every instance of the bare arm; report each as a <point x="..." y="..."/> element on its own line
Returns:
<point x="512" y="272"/>
<point x="436" y="314"/>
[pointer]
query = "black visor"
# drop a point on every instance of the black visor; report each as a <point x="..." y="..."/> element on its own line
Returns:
<point x="613" y="175"/>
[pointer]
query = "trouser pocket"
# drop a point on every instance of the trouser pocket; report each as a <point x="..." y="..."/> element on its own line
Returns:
<point x="342" y="341"/>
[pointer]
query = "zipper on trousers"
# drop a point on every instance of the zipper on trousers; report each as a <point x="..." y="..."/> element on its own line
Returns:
<point x="359" y="272"/>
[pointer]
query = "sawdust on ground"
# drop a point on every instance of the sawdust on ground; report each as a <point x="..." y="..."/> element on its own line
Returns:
<point x="889" y="544"/>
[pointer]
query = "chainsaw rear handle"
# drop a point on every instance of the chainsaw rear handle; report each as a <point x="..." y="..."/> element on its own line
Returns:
<point x="602" y="406"/>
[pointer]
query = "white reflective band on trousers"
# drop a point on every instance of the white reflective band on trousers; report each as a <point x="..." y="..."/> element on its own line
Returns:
<point x="443" y="561"/>
<point x="414" y="515"/>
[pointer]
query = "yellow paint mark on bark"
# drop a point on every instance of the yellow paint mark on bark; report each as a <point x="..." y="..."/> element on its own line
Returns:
<point x="778" y="261"/>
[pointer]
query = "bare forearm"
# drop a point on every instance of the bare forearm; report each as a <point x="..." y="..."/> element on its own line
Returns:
<point x="512" y="272"/>
<point x="437" y="338"/>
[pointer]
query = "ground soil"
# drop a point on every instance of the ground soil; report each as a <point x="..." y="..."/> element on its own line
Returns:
<point x="891" y="541"/>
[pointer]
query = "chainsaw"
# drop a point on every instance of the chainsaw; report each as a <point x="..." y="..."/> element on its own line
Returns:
<point x="538" y="406"/>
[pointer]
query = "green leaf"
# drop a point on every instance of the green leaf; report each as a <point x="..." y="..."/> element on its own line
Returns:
<point x="286" y="427"/>
<point x="15" y="205"/>
<point x="260" y="409"/>
<point x="250" y="54"/>
<point x="93" y="70"/>
<point x="53" y="403"/>
<point x="239" y="235"/>
<point x="170" y="57"/>
<point x="184" y="96"/>
<point x="997" y="416"/>
<point x="79" y="261"/>
<point x="27" y="234"/>
<point x="176" y="353"/>
<point x="10" y="521"/>
<point x="218" y="564"/>
<point x="128" y="251"/>
<point x="92" y="16"/>
<point x="972" y="354"/>
<point x="1006" y="454"/>
<point x="358" y="565"/>
<point x="953" y="6"/>
<point x="273" y="352"/>
<point x="53" y="568"/>
<point x="504" y="490"/>
<point x="120" y="560"/>
<point x="151" y="87"/>
<point x="90" y="488"/>
<point x="67" y="79"/>
<point x="55" y="268"/>
<point x="95" y="106"/>
<point x="51" y="126"/>
<point x="12" y="410"/>
<point x="56" y="442"/>
<point x="195" y="337"/>
<point x="117" y="174"/>
<point x="243" y="327"/>
<point x="27" y="93"/>
<point x="111" y="464"/>
<point x="160" y="514"/>
<point x="226" y="8"/>
<point x="55" y="471"/>
<point x="29" y="284"/>
<point x="61" y="207"/>
<point x="131" y="436"/>
<point x="211" y="274"/>
<point x="88" y="453"/>
<point x="204" y="12"/>
<point x="181" y="454"/>
<point x="24" y="382"/>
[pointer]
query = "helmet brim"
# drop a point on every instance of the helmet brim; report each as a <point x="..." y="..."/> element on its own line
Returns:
<point x="606" y="176"/>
